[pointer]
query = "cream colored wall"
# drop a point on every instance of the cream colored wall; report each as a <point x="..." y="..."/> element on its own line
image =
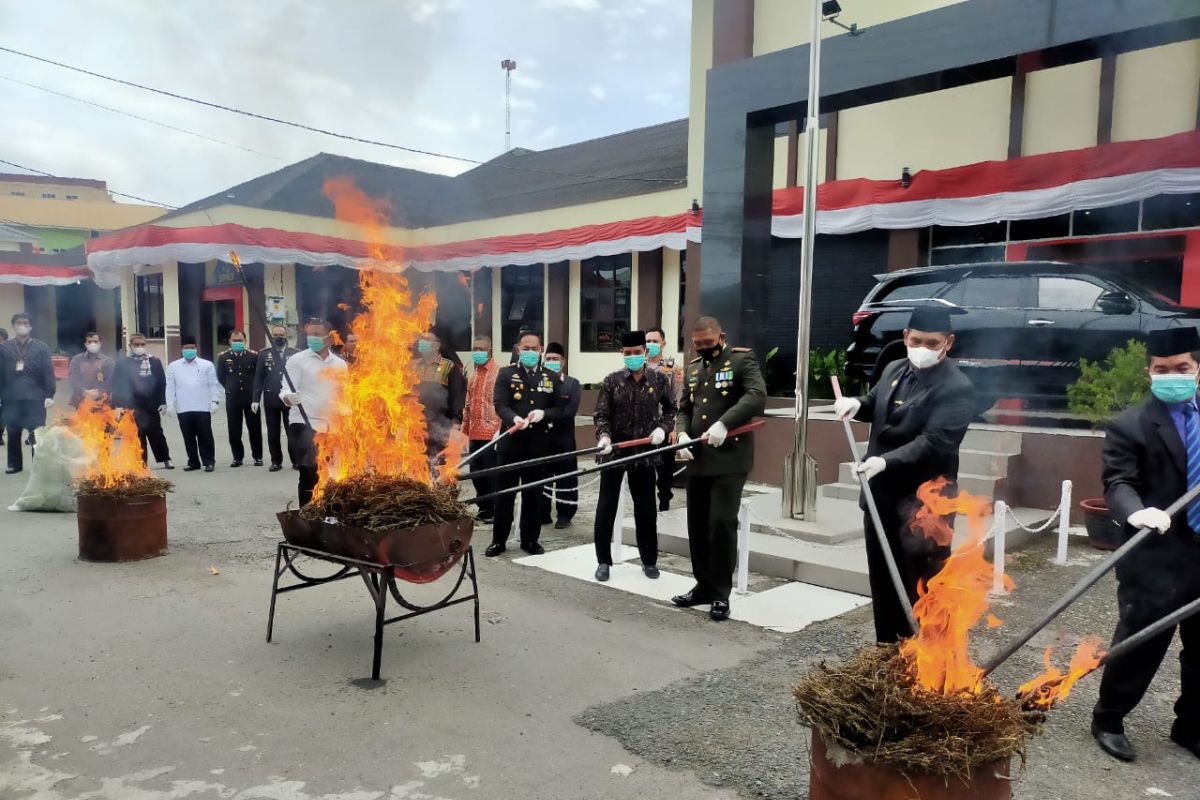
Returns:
<point x="1156" y="91"/>
<point x="670" y="313"/>
<point x="1061" y="108"/>
<point x="35" y="189"/>
<point x="930" y="131"/>
<point x="780" y="166"/>
<point x="779" y="24"/>
<point x="12" y="300"/>
<point x="76" y="214"/>
<point x="702" y="34"/>
<point x="10" y="247"/>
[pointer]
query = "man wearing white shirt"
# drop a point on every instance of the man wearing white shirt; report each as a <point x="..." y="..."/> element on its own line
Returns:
<point x="193" y="394"/>
<point x="312" y="387"/>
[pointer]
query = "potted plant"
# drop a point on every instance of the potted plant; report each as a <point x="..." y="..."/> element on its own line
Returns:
<point x="1103" y="391"/>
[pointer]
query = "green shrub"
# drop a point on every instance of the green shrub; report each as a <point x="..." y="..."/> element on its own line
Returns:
<point x="1106" y="389"/>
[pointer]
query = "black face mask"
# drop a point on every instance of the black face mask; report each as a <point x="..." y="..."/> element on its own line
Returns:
<point x="280" y="341"/>
<point x="710" y="353"/>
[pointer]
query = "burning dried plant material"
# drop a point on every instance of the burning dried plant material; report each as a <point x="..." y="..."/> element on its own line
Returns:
<point x="117" y="469"/>
<point x="385" y="502"/>
<point x="872" y="706"/>
<point x="130" y="487"/>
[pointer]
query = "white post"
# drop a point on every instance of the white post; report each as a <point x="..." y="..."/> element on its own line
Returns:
<point x="619" y="523"/>
<point x="743" y="568"/>
<point x="1064" y="523"/>
<point x="999" y="518"/>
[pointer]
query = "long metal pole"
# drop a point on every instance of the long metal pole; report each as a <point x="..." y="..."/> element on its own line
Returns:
<point x="812" y="142"/>
<point x="1177" y="616"/>
<point x="1085" y="583"/>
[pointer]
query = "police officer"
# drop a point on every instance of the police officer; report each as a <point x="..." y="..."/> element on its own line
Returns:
<point x="657" y="361"/>
<point x="565" y="493"/>
<point x="268" y="383"/>
<point x="442" y="391"/>
<point x="919" y="412"/>
<point x="235" y="371"/>
<point x="723" y="389"/>
<point x="526" y="397"/>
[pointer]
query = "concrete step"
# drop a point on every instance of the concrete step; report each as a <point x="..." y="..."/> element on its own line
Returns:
<point x="993" y="441"/>
<point x="847" y="486"/>
<point x="836" y="521"/>
<point x="984" y="462"/>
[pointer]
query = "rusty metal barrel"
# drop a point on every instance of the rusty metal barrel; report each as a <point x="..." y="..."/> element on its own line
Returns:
<point x="122" y="529"/>
<point x="864" y="780"/>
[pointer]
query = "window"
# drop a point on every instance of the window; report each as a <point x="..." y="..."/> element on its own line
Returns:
<point x="1114" y="219"/>
<point x="72" y="197"/>
<point x="1024" y="230"/>
<point x="149" y="305"/>
<point x="605" y="289"/>
<point x="1171" y="211"/>
<point x="986" y="254"/>
<point x="522" y="297"/>
<point x="1000" y="291"/>
<point x="960" y="235"/>
<point x="453" y="291"/>
<point x="17" y="194"/>
<point x="47" y="195"/>
<point x="913" y="290"/>
<point x="1071" y="294"/>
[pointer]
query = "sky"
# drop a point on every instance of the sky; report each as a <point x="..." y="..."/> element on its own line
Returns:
<point x="420" y="73"/>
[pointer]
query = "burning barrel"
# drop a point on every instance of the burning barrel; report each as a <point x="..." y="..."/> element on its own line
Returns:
<point x="115" y="528"/>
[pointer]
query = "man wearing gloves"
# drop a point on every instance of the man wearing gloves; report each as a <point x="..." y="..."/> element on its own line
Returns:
<point x="193" y="394"/>
<point x="565" y="493"/>
<point x="140" y="385"/>
<point x="26" y="387"/>
<point x="1151" y="458"/>
<point x="723" y="389"/>
<point x="634" y="403"/>
<point x="235" y="371"/>
<point x="312" y="380"/>
<point x="268" y="382"/>
<point x="919" y="412"/>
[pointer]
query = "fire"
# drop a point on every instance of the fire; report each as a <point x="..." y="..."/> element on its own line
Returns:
<point x="112" y="441"/>
<point x="451" y="456"/>
<point x="1053" y="685"/>
<point x="378" y="425"/>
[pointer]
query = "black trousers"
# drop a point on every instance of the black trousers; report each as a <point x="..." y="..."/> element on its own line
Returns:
<point x="713" y="502"/>
<point x="277" y="420"/>
<point x="665" y="475"/>
<point x="234" y="415"/>
<point x="149" y="425"/>
<point x="532" y="503"/>
<point x="486" y="484"/>
<point x="1125" y="680"/>
<point x="196" y="427"/>
<point x="21" y="415"/>
<point x="564" y="494"/>
<point x="645" y="515"/>
<point x="306" y="451"/>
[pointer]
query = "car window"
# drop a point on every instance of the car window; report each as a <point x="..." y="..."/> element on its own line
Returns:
<point x="990" y="291"/>
<point x="1071" y="294"/>
<point x="911" y="290"/>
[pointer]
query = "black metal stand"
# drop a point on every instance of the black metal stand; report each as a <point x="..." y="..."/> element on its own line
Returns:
<point x="380" y="580"/>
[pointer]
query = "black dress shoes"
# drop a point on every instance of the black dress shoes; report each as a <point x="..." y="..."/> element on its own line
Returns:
<point x="1116" y="745"/>
<point x="12" y="470"/>
<point x="258" y="462"/>
<point x="275" y="468"/>
<point x="191" y="468"/>
<point x="719" y="610"/>
<point x="562" y="524"/>
<point x="534" y="549"/>
<point x="692" y="598"/>
<point x="209" y="468"/>
<point x="494" y="549"/>
<point x="1189" y="743"/>
<point x="651" y="571"/>
<point x="602" y="571"/>
<point x="236" y="464"/>
<point x="168" y="465"/>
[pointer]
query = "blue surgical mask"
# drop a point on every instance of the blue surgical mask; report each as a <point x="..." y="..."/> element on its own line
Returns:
<point x="634" y="363"/>
<point x="424" y="346"/>
<point x="654" y="349"/>
<point x="553" y="366"/>
<point x="480" y="358"/>
<point x="237" y="347"/>
<point x="1173" y="388"/>
<point x="189" y="353"/>
<point x="529" y="358"/>
<point x="316" y="343"/>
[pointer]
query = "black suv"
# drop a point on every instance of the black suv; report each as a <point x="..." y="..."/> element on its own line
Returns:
<point x="1026" y="327"/>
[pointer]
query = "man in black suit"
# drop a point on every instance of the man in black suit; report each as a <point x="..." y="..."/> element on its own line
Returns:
<point x="919" y="412"/>
<point x="565" y="493"/>
<point x="1151" y="457"/>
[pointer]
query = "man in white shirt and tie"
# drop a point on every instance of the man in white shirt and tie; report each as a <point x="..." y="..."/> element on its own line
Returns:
<point x="312" y="387"/>
<point x="193" y="394"/>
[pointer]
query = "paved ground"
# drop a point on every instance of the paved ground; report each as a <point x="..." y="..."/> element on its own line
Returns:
<point x="152" y="681"/>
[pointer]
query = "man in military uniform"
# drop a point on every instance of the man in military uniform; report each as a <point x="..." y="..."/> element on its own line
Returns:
<point x="723" y="390"/>
<point x="268" y="383"/>
<point x="527" y="396"/>
<point x="235" y="371"/>
<point x="442" y="391"/>
<point x="919" y="412"/>
<point x="657" y="361"/>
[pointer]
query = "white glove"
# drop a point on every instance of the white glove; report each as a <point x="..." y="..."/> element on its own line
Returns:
<point x="536" y="416"/>
<point x="685" y="454"/>
<point x="520" y="423"/>
<point x="48" y="402"/>
<point x="213" y="406"/>
<point x="254" y="408"/>
<point x="1151" y="518"/>
<point x="716" y="434"/>
<point x="846" y="407"/>
<point x="170" y="410"/>
<point x="605" y="445"/>
<point x="291" y="399"/>
<point x="871" y="467"/>
<point x="657" y="436"/>
<point x="162" y="410"/>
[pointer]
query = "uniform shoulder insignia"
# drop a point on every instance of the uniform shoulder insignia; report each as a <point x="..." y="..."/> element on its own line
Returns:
<point x="742" y="350"/>
<point x="696" y="359"/>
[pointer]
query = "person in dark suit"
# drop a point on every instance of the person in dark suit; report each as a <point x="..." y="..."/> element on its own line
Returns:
<point x="140" y="385"/>
<point x="566" y="491"/>
<point x="268" y="383"/>
<point x="27" y="387"/>
<point x="1151" y="458"/>
<point x="235" y="371"/>
<point x="919" y="412"/>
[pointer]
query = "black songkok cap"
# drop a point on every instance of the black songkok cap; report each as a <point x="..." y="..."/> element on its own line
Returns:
<point x="633" y="339"/>
<point x="556" y="349"/>
<point x="1173" y="341"/>
<point x="933" y="319"/>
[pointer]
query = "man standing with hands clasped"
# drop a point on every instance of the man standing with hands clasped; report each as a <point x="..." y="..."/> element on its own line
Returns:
<point x="919" y="412"/>
<point x="1151" y="458"/>
<point x="235" y="371"/>
<point x="193" y="394"/>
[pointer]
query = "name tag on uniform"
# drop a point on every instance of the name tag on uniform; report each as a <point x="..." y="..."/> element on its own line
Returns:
<point x="20" y="365"/>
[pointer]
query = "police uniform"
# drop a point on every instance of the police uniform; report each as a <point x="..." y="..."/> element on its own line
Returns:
<point x="268" y="382"/>
<point x="729" y="389"/>
<point x="565" y="493"/>
<point x="519" y="391"/>
<point x="235" y="371"/>
<point x="665" y="468"/>
<point x="443" y="393"/>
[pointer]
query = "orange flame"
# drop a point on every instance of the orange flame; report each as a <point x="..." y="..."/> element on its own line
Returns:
<point x="1053" y="685"/>
<point x="377" y="424"/>
<point x="451" y="456"/>
<point x="955" y="599"/>
<point x="112" y="441"/>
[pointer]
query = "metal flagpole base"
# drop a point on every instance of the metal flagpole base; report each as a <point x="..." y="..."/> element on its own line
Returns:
<point x="800" y="488"/>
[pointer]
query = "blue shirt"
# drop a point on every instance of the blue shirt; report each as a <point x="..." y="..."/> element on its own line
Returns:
<point x="1177" y="416"/>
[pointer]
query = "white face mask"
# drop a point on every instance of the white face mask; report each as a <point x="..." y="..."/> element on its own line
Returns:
<point x="22" y="330"/>
<point x="923" y="357"/>
<point x="93" y="347"/>
<point x="139" y="351"/>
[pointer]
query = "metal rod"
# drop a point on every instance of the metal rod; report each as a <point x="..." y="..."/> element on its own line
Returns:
<point x="670" y="448"/>
<point x="534" y="462"/>
<point x="1130" y="643"/>
<point x="873" y="510"/>
<point x="485" y="448"/>
<point x="1084" y="584"/>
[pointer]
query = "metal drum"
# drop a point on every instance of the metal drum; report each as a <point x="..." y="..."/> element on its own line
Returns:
<point x="122" y="529"/>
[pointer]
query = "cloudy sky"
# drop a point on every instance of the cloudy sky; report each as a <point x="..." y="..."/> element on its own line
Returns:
<point x="419" y="73"/>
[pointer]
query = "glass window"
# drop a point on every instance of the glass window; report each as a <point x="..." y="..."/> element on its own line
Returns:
<point x="996" y="291"/>
<point x="149" y="302"/>
<point x="1073" y="294"/>
<point x="1171" y="211"/>
<point x="954" y="235"/>
<point x="913" y="290"/>
<point x="1114" y="219"/>
<point x="1024" y="230"/>
<point x="522" y="296"/>
<point x="47" y="195"/>
<point x="17" y="194"/>
<point x="453" y="291"/>
<point x="605" y="289"/>
<point x="986" y="254"/>
<point x="72" y="197"/>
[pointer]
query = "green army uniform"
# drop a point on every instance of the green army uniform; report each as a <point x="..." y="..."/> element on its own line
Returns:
<point x="730" y="390"/>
